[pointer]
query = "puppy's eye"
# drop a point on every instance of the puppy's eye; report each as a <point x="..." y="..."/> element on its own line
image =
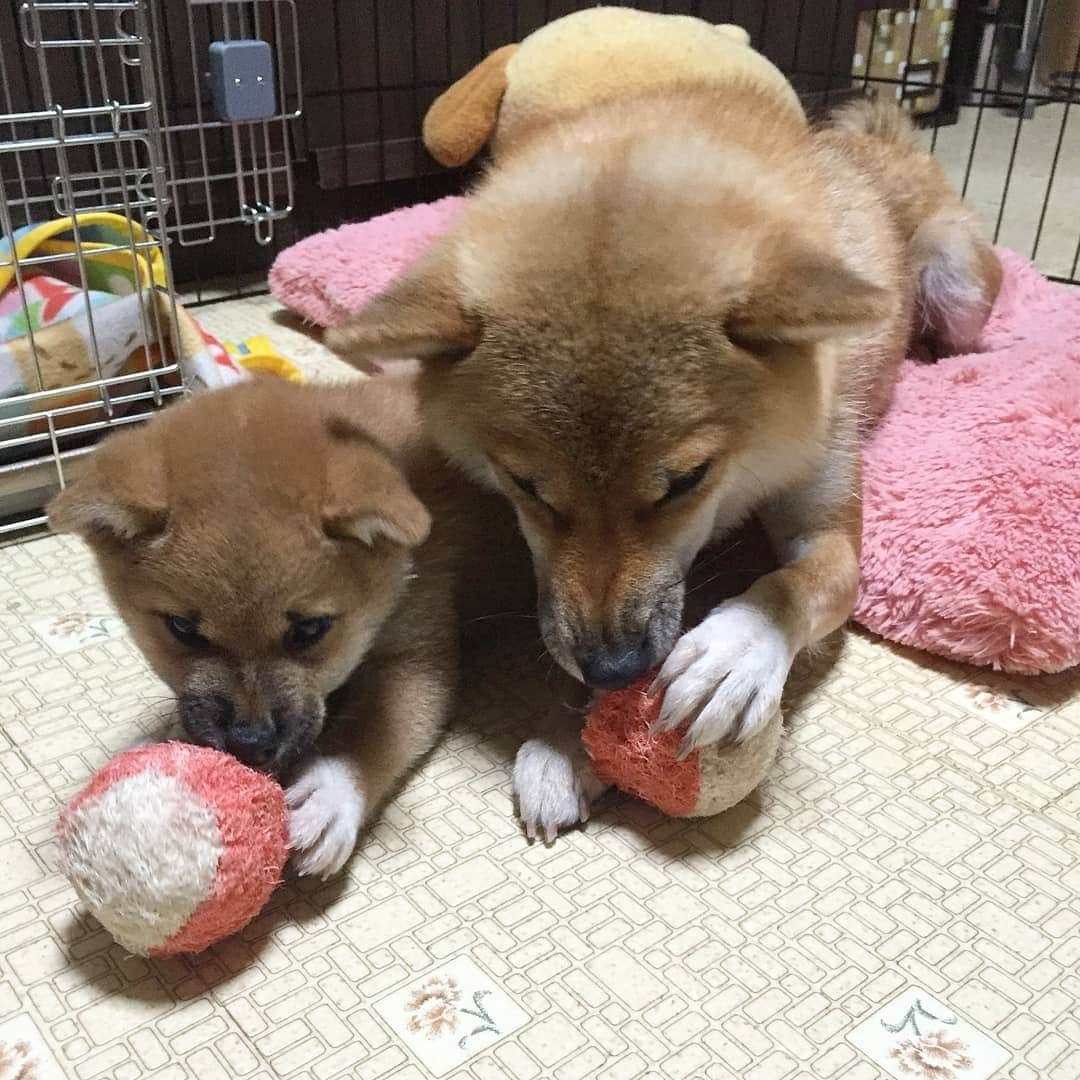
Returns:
<point x="303" y="633"/>
<point x="186" y="631"/>
<point x="683" y="483"/>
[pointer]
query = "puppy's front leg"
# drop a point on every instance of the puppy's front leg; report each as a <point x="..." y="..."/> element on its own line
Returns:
<point x="724" y="678"/>
<point x="393" y="712"/>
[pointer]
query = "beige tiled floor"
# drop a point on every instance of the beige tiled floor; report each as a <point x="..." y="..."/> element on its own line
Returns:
<point x="913" y="862"/>
<point x="917" y="841"/>
<point x="903" y="892"/>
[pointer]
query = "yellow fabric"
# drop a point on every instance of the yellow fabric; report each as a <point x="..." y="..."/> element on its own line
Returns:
<point x="600" y="53"/>
<point x="43" y="240"/>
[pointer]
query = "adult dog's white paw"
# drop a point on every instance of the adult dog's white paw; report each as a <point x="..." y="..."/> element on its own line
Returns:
<point x="326" y="810"/>
<point x="724" y="678"/>
<point x="554" y="788"/>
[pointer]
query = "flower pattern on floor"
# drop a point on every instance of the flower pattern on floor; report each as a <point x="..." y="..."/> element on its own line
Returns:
<point x="935" y="1056"/>
<point x="17" y="1061"/>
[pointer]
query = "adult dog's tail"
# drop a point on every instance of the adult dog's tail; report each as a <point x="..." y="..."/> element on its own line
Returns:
<point x="875" y="116"/>
<point x="958" y="273"/>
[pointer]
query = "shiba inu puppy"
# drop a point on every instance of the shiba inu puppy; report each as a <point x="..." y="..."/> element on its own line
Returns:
<point x="655" y="319"/>
<point x="289" y="556"/>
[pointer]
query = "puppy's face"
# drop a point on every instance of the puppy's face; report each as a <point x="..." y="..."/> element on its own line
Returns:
<point x="633" y="353"/>
<point x="255" y="544"/>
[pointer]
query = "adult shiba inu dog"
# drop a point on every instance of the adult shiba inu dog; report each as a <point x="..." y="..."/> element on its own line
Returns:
<point x="655" y="319"/>
<point x="288" y="555"/>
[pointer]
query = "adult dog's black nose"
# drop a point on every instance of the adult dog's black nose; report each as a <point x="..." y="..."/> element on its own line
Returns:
<point x="612" y="668"/>
<point x="253" y="744"/>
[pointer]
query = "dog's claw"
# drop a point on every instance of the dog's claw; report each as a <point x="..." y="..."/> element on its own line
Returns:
<point x="726" y="681"/>
<point x="553" y="789"/>
<point x="326" y="810"/>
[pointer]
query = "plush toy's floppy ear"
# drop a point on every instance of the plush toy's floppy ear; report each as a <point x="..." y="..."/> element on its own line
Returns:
<point x="121" y="495"/>
<point x="419" y="316"/>
<point x="462" y="118"/>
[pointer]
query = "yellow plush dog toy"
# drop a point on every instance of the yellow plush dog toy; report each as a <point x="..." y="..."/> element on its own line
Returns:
<point x="581" y="60"/>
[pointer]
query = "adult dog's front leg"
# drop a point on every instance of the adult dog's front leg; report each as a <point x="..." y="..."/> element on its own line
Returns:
<point x="554" y="784"/>
<point x="724" y="678"/>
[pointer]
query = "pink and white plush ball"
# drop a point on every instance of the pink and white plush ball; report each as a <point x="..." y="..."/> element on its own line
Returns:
<point x="173" y="847"/>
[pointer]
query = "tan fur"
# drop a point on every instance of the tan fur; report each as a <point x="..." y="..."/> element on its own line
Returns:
<point x="575" y="62"/>
<point x="672" y="279"/>
<point x="243" y="508"/>
<point x="943" y="234"/>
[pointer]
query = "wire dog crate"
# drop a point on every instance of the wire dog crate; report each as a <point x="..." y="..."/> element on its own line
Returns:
<point x="131" y="164"/>
<point x="76" y="149"/>
<point x="101" y="175"/>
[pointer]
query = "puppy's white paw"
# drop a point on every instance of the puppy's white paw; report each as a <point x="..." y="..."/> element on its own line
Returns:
<point x="326" y="810"/>
<point x="724" y="678"/>
<point x="554" y="791"/>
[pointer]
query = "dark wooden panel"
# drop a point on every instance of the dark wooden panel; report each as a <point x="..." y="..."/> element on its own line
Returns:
<point x="377" y="68"/>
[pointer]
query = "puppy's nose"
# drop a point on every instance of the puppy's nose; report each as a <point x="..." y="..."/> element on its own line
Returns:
<point x="253" y="744"/>
<point x="612" y="668"/>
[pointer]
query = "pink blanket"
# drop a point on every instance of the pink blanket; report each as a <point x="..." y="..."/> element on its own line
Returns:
<point x="333" y="273"/>
<point x="971" y="491"/>
<point x="971" y="484"/>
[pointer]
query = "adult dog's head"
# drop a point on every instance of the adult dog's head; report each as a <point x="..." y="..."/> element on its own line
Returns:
<point x="623" y="332"/>
<point x="255" y="540"/>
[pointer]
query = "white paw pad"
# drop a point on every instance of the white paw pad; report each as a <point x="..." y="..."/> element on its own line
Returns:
<point x="326" y="810"/>
<point x="724" y="678"/>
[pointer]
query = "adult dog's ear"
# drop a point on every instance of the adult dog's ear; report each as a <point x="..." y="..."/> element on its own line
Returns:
<point x="801" y="296"/>
<point x="121" y="495"/>
<point x="419" y="316"/>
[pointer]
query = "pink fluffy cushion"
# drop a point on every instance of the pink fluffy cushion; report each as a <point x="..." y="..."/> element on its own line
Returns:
<point x="971" y="492"/>
<point x="972" y="482"/>
<point x="331" y="274"/>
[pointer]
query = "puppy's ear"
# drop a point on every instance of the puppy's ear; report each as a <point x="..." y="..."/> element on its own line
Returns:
<point x="419" y="316"/>
<point x="367" y="499"/>
<point x="120" y="497"/>
<point x="801" y="296"/>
